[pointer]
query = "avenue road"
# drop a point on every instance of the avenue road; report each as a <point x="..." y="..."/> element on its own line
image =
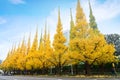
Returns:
<point x="50" y="78"/>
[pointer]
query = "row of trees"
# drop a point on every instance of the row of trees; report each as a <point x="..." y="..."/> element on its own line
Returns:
<point x="86" y="45"/>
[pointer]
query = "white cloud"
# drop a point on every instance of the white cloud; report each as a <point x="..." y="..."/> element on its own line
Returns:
<point x="108" y="10"/>
<point x="106" y="13"/>
<point x="102" y="11"/>
<point x="2" y="20"/>
<point x="17" y="1"/>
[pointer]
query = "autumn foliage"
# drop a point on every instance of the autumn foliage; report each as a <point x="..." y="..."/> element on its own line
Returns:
<point x="86" y="45"/>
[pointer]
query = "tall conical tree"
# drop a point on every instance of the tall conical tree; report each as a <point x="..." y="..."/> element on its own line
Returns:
<point x="48" y="45"/>
<point x="49" y="50"/>
<point x="80" y="16"/>
<point x="40" y="41"/>
<point x="21" y="56"/>
<point x="31" y="62"/>
<point x="72" y="36"/>
<point x="23" y="47"/>
<point x="59" y="37"/>
<point x="43" y="61"/>
<point x="28" y="44"/>
<point x="45" y="36"/>
<point x="81" y="27"/>
<point x="40" y="55"/>
<point x="35" y="42"/>
<point x="59" y="46"/>
<point x="71" y="25"/>
<point x="43" y="51"/>
<point x="45" y="33"/>
<point x="48" y="42"/>
<point x="92" y="21"/>
<point x="81" y="31"/>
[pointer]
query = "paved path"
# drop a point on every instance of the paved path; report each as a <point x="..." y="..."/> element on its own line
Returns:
<point x="50" y="78"/>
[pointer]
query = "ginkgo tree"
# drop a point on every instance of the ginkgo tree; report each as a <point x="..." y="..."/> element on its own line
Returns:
<point x="87" y="46"/>
<point x="21" y="57"/>
<point x="59" y="55"/>
<point x="31" y="60"/>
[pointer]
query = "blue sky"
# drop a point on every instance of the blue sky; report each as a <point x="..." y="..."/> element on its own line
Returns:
<point x="20" y="17"/>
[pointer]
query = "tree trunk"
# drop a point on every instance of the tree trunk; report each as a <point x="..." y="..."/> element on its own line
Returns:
<point x="101" y="68"/>
<point x="114" y="70"/>
<point x="75" y="69"/>
<point x="71" y="69"/>
<point x="87" y="68"/>
<point x="59" y="70"/>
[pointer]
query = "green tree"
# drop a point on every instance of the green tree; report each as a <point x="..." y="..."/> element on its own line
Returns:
<point x="115" y="40"/>
<point x="92" y="21"/>
<point x="71" y="25"/>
